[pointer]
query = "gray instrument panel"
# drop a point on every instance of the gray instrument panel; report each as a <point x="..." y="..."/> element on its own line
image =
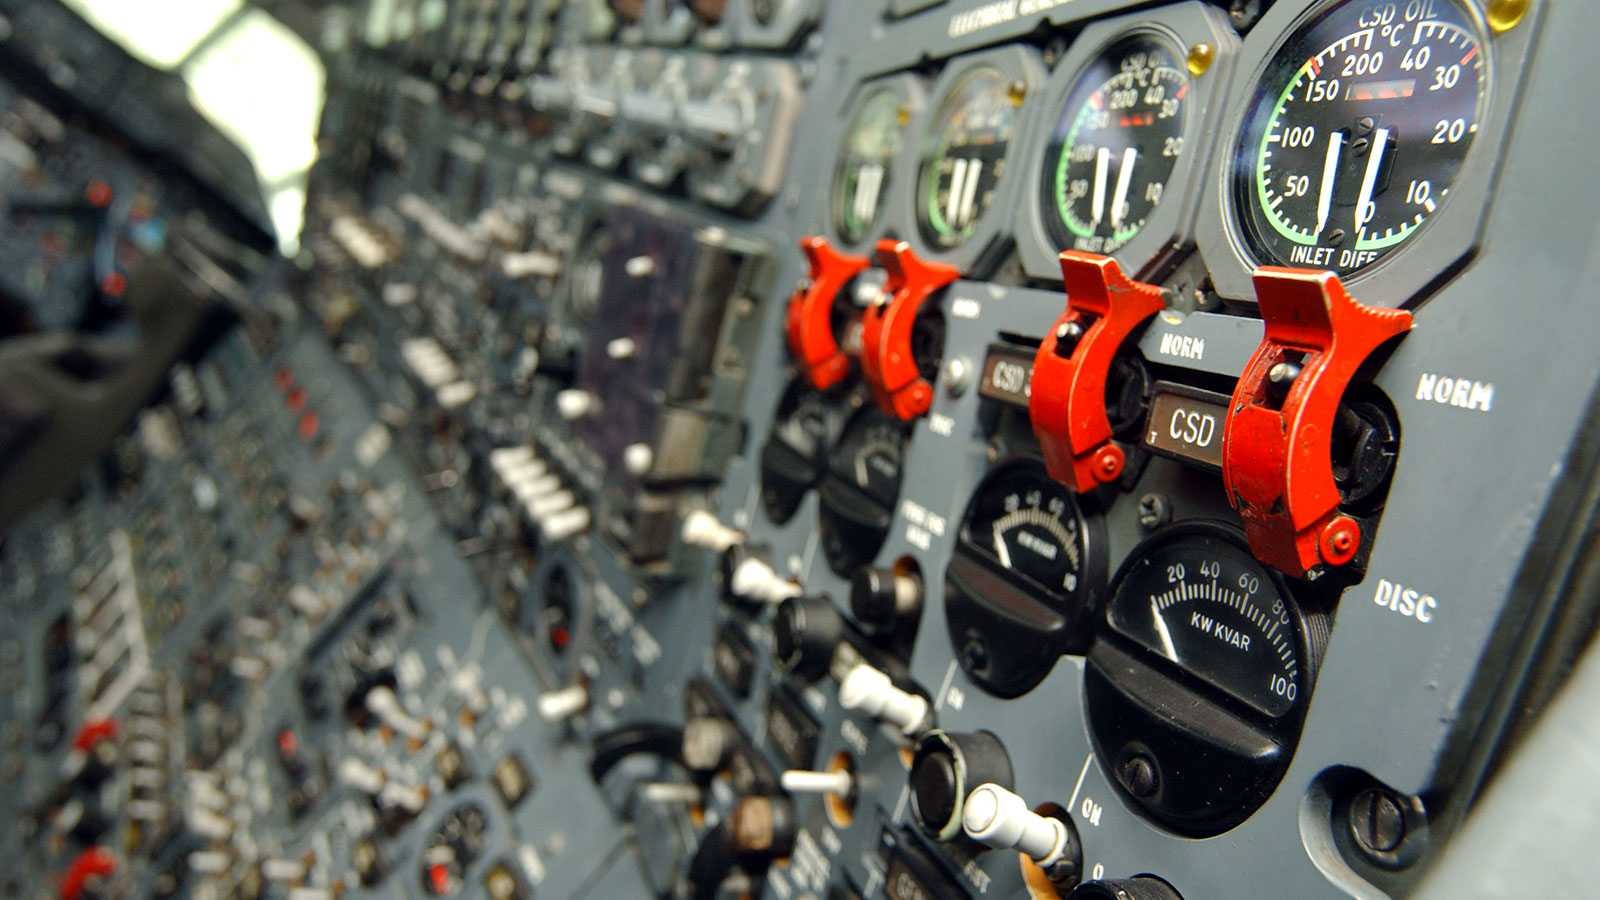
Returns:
<point x="546" y="325"/>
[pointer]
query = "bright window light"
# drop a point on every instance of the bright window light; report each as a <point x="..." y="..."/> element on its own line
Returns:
<point x="159" y="34"/>
<point x="262" y="86"/>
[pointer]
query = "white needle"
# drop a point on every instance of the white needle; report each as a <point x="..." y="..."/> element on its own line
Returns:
<point x="1380" y="143"/>
<point x="1330" y="168"/>
<point x="1000" y="547"/>
<point x="1161" y="630"/>
<point x="1125" y="175"/>
<point x="1097" y="206"/>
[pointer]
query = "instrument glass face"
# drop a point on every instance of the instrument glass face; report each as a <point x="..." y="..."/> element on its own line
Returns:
<point x="861" y="176"/>
<point x="1115" y="143"/>
<point x="964" y="157"/>
<point x="1363" y="120"/>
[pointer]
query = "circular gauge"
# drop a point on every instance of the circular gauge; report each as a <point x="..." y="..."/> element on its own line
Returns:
<point x="1205" y="605"/>
<point x="807" y="423"/>
<point x="455" y="845"/>
<point x="1198" y="679"/>
<point x="1115" y="143"/>
<point x="1363" y="119"/>
<point x="1021" y="586"/>
<point x="858" y="492"/>
<point x="861" y="176"/>
<point x="964" y="157"/>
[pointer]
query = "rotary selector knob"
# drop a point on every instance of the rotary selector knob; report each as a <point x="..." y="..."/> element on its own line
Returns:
<point x="944" y="770"/>
<point x="805" y="634"/>
<point x="867" y="690"/>
<point x="881" y="597"/>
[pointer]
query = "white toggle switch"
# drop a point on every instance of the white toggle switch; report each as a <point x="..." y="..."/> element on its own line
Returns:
<point x="528" y="491"/>
<point x="382" y="703"/>
<point x="637" y="459"/>
<point x="410" y="799"/>
<point x="621" y="348"/>
<point x="467" y="683"/>
<point x="869" y="691"/>
<point x="563" y="704"/>
<point x="532" y="262"/>
<point x="562" y="525"/>
<point x="755" y="580"/>
<point x="998" y="818"/>
<point x="364" y="778"/>
<point x="208" y="824"/>
<point x="574" y="403"/>
<point x="504" y="458"/>
<point x="521" y="473"/>
<point x="670" y="792"/>
<point x="549" y="504"/>
<point x="701" y="529"/>
<point x="282" y="870"/>
<point x="800" y="781"/>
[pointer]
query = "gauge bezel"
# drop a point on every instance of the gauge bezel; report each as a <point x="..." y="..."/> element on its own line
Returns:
<point x="1449" y="237"/>
<point x="992" y="233"/>
<point x="913" y="95"/>
<point x="1222" y="723"/>
<point x="1181" y="26"/>
<point x="1037" y="624"/>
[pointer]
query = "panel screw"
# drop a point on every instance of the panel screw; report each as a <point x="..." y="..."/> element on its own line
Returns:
<point x="1138" y="775"/>
<point x="1377" y="821"/>
<point x="1244" y="13"/>
<point x="1154" y="511"/>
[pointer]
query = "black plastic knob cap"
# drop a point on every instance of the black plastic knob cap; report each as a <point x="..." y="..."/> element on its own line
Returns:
<point x="945" y="768"/>
<point x="805" y="633"/>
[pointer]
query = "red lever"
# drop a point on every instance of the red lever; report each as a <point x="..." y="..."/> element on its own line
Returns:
<point x="91" y="863"/>
<point x="886" y="358"/>
<point x="1277" y="449"/>
<point x="1067" y="396"/>
<point x="93" y="732"/>
<point x="809" y="318"/>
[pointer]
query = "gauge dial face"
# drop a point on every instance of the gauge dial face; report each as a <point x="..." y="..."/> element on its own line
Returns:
<point x="861" y="176"/>
<point x="964" y="158"/>
<point x="1200" y="601"/>
<point x="1115" y="144"/>
<point x="1363" y="120"/>
<point x="870" y="455"/>
<point x="1022" y="521"/>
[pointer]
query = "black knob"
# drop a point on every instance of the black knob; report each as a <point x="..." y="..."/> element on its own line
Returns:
<point x="881" y="597"/>
<point x="805" y="633"/>
<point x="945" y="768"/>
<point x="1143" y="887"/>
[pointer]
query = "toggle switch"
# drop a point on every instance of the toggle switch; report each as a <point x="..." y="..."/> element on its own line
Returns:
<point x="867" y="690"/>
<point x="887" y="358"/>
<point x="555" y="706"/>
<point x="702" y="529"/>
<point x="1067" y="393"/>
<point x="838" y="782"/>
<point x="808" y="321"/>
<point x="1277" y="449"/>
